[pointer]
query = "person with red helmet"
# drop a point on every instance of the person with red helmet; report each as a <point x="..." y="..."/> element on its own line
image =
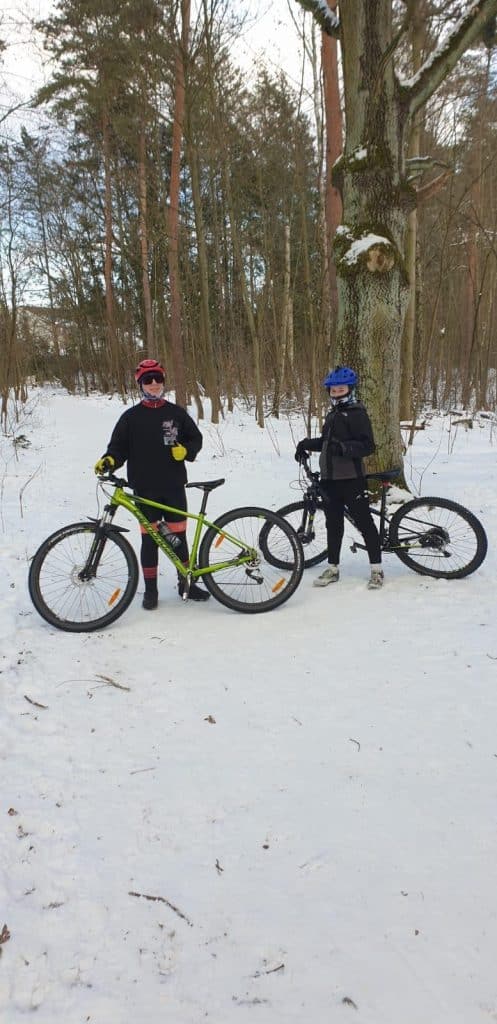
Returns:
<point x="155" y="438"/>
<point x="347" y="439"/>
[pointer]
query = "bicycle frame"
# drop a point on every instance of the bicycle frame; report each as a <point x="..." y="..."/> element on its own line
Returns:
<point x="120" y="499"/>
<point x="313" y="493"/>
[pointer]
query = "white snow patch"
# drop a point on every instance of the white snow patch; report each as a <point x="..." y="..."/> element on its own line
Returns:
<point x="329" y="838"/>
<point x="361" y="245"/>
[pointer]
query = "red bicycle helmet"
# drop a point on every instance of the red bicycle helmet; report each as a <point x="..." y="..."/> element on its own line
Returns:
<point x="148" y="366"/>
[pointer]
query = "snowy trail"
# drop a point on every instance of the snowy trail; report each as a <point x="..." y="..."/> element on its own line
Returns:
<point x="308" y="795"/>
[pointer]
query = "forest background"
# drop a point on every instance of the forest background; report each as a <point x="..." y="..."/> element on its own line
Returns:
<point x="158" y="198"/>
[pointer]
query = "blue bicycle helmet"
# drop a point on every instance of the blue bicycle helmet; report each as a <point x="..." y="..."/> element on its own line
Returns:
<point x="341" y="375"/>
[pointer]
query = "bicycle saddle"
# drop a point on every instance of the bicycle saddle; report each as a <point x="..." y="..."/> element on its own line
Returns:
<point x="387" y="474"/>
<point x="207" y="485"/>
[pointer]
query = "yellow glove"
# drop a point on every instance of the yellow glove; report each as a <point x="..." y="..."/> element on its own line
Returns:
<point x="104" y="465"/>
<point x="178" y="452"/>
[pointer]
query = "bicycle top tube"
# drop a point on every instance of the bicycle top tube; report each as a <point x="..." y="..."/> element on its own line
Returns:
<point x="132" y="502"/>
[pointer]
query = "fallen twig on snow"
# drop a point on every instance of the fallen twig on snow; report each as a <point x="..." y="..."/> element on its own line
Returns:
<point x="162" y="899"/>
<point x="35" y="703"/>
<point x="112" y="682"/>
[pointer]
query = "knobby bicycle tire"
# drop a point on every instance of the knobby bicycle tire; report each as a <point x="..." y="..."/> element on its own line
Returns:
<point x="437" y="537"/>
<point x="315" y="545"/>
<point x="74" y="605"/>
<point x="260" y="585"/>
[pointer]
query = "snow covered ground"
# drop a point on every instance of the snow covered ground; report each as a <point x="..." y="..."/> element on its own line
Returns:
<point x="282" y="819"/>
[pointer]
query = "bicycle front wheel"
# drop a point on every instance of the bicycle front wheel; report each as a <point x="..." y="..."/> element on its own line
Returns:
<point x="70" y="603"/>
<point x="437" y="537"/>
<point x="309" y="523"/>
<point x="255" y="584"/>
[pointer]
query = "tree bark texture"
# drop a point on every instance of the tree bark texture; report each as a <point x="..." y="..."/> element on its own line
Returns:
<point x="377" y="199"/>
<point x="334" y="146"/>
<point x="177" y="345"/>
<point x="112" y="339"/>
<point x="372" y="282"/>
<point x="143" y="229"/>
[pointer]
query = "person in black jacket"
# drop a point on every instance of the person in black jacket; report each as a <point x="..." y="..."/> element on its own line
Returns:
<point x="155" y="438"/>
<point x="347" y="438"/>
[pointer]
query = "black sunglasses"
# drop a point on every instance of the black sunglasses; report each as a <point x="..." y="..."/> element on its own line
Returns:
<point x="147" y="378"/>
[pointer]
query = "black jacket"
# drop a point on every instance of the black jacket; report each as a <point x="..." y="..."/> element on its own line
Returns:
<point x="143" y="438"/>
<point x="347" y="428"/>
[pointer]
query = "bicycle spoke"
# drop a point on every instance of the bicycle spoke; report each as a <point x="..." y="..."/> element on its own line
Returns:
<point x="258" y="583"/>
<point x="69" y="602"/>
<point x="437" y="537"/>
<point x="310" y="525"/>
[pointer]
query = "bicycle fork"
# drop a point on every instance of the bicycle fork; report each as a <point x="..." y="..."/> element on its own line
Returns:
<point x="104" y="526"/>
<point x="306" y="529"/>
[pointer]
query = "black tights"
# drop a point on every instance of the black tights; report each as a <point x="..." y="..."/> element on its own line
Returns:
<point x="149" y="557"/>
<point x="349" y="494"/>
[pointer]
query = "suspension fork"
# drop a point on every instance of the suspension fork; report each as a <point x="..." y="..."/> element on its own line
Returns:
<point x="308" y="516"/>
<point x="89" y="570"/>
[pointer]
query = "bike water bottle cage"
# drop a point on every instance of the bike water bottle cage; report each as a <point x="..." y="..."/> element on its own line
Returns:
<point x="341" y="376"/>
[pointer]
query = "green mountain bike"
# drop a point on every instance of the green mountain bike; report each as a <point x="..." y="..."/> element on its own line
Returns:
<point x="85" y="575"/>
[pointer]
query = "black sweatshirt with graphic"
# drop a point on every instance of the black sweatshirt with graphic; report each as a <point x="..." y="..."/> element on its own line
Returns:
<point x="143" y="437"/>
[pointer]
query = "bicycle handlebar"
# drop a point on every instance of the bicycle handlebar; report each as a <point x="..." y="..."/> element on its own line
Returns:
<point x="304" y="463"/>
<point x="111" y="479"/>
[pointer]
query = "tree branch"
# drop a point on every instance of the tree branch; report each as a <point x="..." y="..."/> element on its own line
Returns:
<point x="326" y="18"/>
<point x="468" y="30"/>
<point x="432" y="187"/>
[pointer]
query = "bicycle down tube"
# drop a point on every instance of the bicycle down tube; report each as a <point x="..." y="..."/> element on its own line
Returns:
<point x="132" y="504"/>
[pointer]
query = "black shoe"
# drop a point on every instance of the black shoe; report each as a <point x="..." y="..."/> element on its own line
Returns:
<point x="150" y="600"/>
<point x="195" y="593"/>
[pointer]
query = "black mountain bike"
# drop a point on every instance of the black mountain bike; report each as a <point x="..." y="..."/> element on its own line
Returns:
<point x="433" y="536"/>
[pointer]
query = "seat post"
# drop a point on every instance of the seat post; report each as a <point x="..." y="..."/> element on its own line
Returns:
<point x="203" y="504"/>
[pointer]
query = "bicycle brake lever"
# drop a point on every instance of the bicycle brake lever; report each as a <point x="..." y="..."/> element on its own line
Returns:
<point x="118" y="481"/>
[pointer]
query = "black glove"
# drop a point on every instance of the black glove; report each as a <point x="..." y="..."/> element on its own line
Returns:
<point x="335" y="448"/>
<point x="301" y="449"/>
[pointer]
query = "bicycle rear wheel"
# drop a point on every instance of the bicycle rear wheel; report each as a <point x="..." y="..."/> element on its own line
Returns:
<point x="66" y="601"/>
<point x="257" y="585"/>
<point x="437" y="537"/>
<point x="309" y="524"/>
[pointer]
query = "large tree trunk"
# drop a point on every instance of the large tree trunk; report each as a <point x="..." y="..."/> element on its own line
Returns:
<point x="372" y="283"/>
<point x="116" y="373"/>
<point x="177" y="346"/>
<point x="334" y="145"/>
<point x="209" y="370"/>
<point x="417" y="11"/>
<point x="143" y="231"/>
<point x="373" y="287"/>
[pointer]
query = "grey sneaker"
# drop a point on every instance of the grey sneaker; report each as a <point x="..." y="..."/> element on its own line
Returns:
<point x="330" y="575"/>
<point x="376" y="579"/>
